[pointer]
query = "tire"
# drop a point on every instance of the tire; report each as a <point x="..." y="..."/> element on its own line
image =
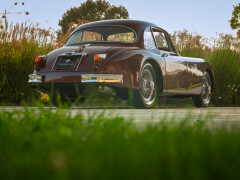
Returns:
<point x="146" y="95"/>
<point x="204" y="98"/>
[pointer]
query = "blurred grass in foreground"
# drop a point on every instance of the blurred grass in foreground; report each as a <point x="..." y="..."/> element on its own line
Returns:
<point x="42" y="144"/>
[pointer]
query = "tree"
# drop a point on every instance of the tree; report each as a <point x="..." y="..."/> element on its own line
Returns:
<point x="234" y="22"/>
<point x="91" y="11"/>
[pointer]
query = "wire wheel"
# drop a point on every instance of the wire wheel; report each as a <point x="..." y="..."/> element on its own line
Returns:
<point x="205" y="97"/>
<point x="147" y="87"/>
<point x="206" y="89"/>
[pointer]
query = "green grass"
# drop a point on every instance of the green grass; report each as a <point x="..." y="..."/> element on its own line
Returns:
<point x="226" y="65"/>
<point x="16" y="63"/>
<point x="41" y="144"/>
<point x="19" y="46"/>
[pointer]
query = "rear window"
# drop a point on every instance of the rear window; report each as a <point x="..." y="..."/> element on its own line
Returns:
<point x="103" y="34"/>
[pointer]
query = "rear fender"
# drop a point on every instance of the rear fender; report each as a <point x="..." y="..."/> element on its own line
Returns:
<point x="128" y="64"/>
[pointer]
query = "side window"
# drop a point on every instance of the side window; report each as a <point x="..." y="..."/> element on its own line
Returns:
<point x="122" y="37"/>
<point x="160" y="40"/>
<point x="148" y="39"/>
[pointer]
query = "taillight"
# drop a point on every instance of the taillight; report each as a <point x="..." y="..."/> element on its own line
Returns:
<point x="39" y="62"/>
<point x="98" y="58"/>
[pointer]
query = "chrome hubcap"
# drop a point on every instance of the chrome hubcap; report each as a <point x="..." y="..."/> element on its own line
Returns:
<point x="148" y="87"/>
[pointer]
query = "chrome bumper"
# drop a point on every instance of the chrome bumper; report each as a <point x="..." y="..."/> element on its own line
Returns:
<point x="100" y="78"/>
<point x="110" y="78"/>
<point x="34" y="78"/>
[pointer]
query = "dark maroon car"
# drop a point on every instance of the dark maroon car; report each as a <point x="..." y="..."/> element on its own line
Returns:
<point x="123" y="55"/>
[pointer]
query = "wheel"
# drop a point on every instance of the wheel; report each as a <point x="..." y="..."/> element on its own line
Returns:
<point x="204" y="98"/>
<point x="146" y="95"/>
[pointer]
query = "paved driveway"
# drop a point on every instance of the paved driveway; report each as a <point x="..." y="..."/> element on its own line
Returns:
<point x="216" y="115"/>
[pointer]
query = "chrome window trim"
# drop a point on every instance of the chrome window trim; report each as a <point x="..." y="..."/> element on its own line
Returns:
<point x="169" y="41"/>
<point x="164" y="36"/>
<point x="151" y="47"/>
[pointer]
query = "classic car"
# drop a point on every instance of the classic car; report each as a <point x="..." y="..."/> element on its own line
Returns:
<point x="124" y="55"/>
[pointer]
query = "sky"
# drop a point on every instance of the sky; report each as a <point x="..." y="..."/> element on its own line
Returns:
<point x="207" y="17"/>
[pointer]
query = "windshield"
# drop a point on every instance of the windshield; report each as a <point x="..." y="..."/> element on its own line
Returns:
<point x="102" y="34"/>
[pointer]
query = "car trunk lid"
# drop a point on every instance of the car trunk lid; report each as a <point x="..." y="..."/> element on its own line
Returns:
<point x="79" y="58"/>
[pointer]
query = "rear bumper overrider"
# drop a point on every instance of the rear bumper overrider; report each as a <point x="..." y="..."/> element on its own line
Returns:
<point x="85" y="78"/>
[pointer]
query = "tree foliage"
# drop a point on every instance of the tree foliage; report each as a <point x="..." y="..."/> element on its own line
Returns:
<point x="92" y="11"/>
<point x="234" y="22"/>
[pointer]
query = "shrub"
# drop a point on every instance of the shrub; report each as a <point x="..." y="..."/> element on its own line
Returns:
<point x="19" y="45"/>
<point x="226" y="65"/>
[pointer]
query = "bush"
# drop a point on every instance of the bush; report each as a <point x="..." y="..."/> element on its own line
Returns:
<point x="19" y="45"/>
<point x="226" y="66"/>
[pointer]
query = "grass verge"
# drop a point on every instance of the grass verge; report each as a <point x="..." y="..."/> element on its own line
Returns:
<point x="42" y="144"/>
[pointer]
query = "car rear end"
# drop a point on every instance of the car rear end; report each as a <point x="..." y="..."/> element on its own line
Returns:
<point x="86" y="58"/>
<point x="70" y="72"/>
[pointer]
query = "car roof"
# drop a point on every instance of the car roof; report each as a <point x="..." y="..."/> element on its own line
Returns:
<point x="124" y="22"/>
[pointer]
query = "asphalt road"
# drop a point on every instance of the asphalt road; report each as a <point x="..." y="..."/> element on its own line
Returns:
<point x="213" y="115"/>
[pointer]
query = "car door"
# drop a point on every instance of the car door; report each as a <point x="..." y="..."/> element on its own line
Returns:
<point x="176" y="67"/>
